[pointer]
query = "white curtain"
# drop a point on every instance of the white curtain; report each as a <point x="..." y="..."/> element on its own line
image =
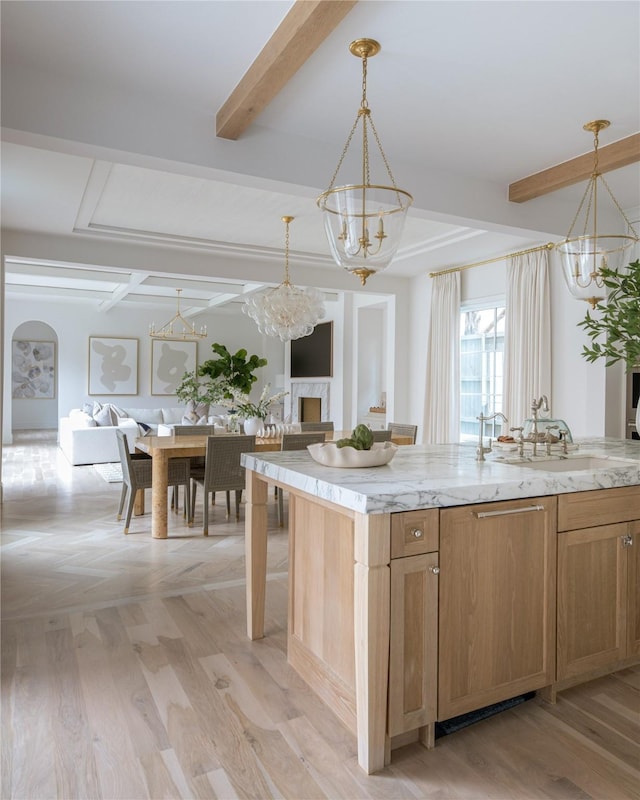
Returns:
<point x="442" y="395"/>
<point x="527" y="358"/>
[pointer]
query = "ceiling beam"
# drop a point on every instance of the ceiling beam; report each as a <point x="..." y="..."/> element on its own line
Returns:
<point x="300" y="33"/>
<point x="610" y="157"/>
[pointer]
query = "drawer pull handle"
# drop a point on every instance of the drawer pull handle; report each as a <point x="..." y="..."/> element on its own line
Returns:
<point x="417" y="533"/>
<point x="434" y="570"/>
<point x="483" y="514"/>
<point x="627" y="541"/>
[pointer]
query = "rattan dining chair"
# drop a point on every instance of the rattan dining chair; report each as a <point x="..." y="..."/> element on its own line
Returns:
<point x="197" y="462"/>
<point x="316" y="426"/>
<point x="296" y="441"/>
<point x="381" y="436"/>
<point x="222" y="472"/>
<point x="136" y="475"/>
<point x="402" y="429"/>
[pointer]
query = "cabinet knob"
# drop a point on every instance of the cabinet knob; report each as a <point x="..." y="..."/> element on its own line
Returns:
<point x="434" y="570"/>
<point x="417" y="533"/>
<point x="627" y="541"/>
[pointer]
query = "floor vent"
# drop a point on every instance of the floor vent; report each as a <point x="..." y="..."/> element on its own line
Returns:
<point x="464" y="720"/>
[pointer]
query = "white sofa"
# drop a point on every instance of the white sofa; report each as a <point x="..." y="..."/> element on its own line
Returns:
<point x="84" y="441"/>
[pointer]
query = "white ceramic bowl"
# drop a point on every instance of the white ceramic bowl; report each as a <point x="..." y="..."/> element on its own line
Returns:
<point x="330" y="455"/>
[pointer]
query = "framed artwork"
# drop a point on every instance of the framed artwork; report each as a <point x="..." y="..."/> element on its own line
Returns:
<point x="113" y="365"/>
<point x="33" y="370"/>
<point x="169" y="361"/>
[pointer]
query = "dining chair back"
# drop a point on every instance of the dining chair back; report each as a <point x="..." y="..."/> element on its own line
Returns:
<point x="316" y="426"/>
<point x="402" y="429"/>
<point x="381" y="436"/>
<point x="222" y="472"/>
<point x="296" y="441"/>
<point x="194" y="430"/>
<point x="136" y="476"/>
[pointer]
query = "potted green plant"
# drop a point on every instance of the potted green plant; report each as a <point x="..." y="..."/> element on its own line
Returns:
<point x="253" y="413"/>
<point x="231" y="371"/>
<point x="618" y="320"/>
<point x="198" y="395"/>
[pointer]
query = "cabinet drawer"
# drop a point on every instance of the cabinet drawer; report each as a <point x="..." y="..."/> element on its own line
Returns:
<point x="414" y="532"/>
<point x="598" y="507"/>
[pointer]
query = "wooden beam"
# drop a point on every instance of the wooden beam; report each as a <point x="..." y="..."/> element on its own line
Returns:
<point x="611" y="156"/>
<point x="300" y="33"/>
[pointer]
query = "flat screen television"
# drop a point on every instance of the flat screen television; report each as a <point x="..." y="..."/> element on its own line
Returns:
<point x="311" y="356"/>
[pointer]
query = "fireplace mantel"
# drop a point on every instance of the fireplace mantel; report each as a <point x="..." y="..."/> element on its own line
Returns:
<point x="310" y="389"/>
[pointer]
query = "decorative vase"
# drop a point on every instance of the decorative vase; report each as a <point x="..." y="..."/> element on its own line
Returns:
<point x="252" y="425"/>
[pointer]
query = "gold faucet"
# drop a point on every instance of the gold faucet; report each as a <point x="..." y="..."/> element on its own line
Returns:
<point x="481" y="449"/>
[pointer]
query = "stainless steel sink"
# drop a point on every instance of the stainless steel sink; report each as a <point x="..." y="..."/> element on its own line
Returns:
<point x="574" y="463"/>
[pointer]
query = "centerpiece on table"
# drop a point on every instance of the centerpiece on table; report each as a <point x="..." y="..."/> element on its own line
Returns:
<point x="254" y="413"/>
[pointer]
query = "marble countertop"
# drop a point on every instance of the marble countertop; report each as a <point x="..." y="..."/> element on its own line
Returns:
<point x="436" y="476"/>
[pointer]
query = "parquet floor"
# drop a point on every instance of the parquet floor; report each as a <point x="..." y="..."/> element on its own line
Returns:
<point x="126" y="674"/>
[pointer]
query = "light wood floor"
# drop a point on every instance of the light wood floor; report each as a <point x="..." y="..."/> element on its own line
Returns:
<point x="126" y="674"/>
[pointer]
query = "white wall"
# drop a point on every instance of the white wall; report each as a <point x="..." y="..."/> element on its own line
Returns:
<point x="73" y="323"/>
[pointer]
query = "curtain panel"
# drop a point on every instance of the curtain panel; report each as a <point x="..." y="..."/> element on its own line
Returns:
<point x="442" y="395"/>
<point x="527" y="359"/>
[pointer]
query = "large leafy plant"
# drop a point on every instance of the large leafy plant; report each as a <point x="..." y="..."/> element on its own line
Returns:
<point x="232" y="371"/>
<point x="191" y="388"/>
<point x="615" y="333"/>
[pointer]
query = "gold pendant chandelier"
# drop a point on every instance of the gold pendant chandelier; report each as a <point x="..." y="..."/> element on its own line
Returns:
<point x="364" y="220"/>
<point x="177" y="329"/>
<point x="585" y="255"/>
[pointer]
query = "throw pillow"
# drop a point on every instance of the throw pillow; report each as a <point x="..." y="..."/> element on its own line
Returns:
<point x="145" y="429"/>
<point x="106" y="416"/>
<point x="197" y="412"/>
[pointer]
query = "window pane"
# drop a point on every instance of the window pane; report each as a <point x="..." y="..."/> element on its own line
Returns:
<point x="481" y="369"/>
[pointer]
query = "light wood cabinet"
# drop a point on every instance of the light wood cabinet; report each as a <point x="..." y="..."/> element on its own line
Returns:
<point x="413" y="653"/>
<point x="633" y="593"/>
<point x="497" y="607"/>
<point x="598" y="575"/>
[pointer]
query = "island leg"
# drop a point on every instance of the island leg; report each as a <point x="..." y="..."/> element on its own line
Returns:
<point x="159" y="483"/>
<point x="372" y="581"/>
<point x="255" y="538"/>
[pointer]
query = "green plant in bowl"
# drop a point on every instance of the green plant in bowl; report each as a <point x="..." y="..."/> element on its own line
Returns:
<point x="361" y="439"/>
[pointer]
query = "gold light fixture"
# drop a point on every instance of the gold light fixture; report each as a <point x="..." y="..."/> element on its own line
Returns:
<point x="286" y="311"/>
<point x="584" y="255"/>
<point x="178" y="328"/>
<point x="364" y="220"/>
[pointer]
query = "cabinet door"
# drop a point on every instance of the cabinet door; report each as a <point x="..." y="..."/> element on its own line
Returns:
<point x="633" y="589"/>
<point x="497" y="602"/>
<point x="592" y="598"/>
<point x="414" y="640"/>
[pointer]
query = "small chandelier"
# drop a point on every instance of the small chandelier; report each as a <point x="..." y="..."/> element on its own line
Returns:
<point x="286" y="311"/>
<point x="177" y="329"/>
<point x="583" y="256"/>
<point x="364" y="221"/>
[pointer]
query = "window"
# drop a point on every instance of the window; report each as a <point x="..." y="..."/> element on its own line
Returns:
<point x="481" y="368"/>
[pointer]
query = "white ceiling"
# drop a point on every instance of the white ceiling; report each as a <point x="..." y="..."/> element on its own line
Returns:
<point x="108" y="114"/>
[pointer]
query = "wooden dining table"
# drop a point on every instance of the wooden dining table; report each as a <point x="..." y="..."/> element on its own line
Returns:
<point x="163" y="448"/>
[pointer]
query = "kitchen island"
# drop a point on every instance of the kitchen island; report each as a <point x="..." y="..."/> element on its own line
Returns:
<point x="427" y="588"/>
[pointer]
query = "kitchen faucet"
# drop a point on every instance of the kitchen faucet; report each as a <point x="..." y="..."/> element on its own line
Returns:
<point x="543" y="403"/>
<point x="481" y="449"/>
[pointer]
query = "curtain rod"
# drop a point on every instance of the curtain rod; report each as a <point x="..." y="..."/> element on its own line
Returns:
<point x="548" y="246"/>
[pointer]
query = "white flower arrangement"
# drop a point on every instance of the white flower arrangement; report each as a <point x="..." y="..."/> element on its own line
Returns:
<point x="243" y="407"/>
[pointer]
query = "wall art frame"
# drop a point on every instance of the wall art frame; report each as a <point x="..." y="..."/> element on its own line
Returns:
<point x="170" y="359"/>
<point x="113" y="365"/>
<point x="33" y="369"/>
